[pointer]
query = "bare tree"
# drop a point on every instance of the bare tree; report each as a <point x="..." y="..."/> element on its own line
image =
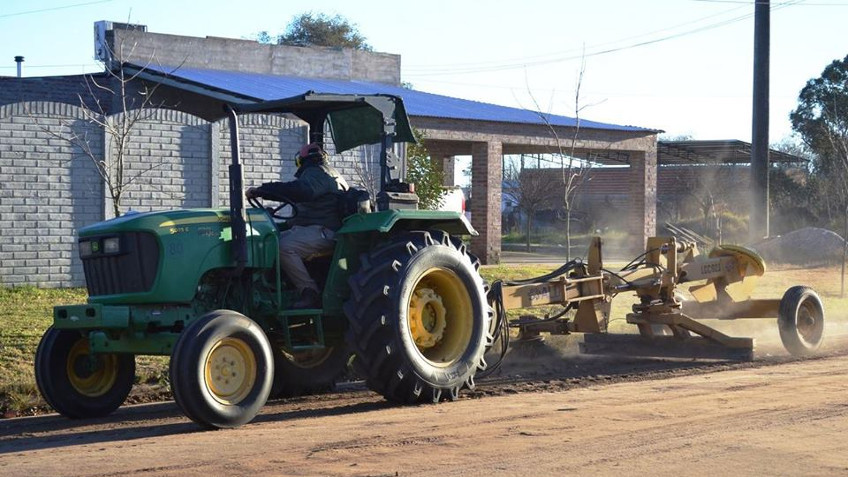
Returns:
<point x="574" y="171"/>
<point x="116" y="103"/>
<point x="532" y="190"/>
<point x="367" y="170"/>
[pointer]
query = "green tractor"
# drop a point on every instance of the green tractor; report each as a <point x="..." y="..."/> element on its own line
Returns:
<point x="401" y="293"/>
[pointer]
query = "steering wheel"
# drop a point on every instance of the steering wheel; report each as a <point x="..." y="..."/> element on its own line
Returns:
<point x="275" y="211"/>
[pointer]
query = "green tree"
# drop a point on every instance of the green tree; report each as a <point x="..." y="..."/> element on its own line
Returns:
<point x="318" y="29"/>
<point x="427" y="177"/>
<point x="821" y="120"/>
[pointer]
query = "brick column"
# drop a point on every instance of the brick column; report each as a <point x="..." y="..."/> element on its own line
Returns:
<point x="449" y="170"/>
<point x="443" y="160"/>
<point x="486" y="178"/>
<point x="642" y="215"/>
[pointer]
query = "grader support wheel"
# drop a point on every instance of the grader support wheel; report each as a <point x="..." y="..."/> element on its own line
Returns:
<point x="76" y="383"/>
<point x="801" y="321"/>
<point x="419" y="320"/>
<point x="221" y="370"/>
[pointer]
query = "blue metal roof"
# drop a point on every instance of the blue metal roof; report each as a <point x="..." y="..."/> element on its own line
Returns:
<point x="266" y="87"/>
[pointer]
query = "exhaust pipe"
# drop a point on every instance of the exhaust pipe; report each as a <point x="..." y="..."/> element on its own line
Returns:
<point x="19" y="60"/>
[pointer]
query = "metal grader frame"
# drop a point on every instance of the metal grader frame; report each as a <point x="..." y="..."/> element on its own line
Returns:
<point x="720" y="284"/>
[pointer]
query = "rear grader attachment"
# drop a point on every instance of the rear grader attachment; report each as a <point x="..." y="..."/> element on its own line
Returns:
<point x="677" y="288"/>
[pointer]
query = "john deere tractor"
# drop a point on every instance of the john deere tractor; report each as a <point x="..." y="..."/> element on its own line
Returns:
<point x="204" y="286"/>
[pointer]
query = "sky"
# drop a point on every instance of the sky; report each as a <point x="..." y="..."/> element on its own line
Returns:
<point x="681" y="66"/>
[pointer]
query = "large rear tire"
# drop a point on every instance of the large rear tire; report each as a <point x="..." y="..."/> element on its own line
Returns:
<point x="76" y="383"/>
<point x="221" y="369"/>
<point x="419" y="319"/>
<point x="801" y="321"/>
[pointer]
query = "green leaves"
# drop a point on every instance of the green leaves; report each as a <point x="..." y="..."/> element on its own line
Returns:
<point x="425" y="174"/>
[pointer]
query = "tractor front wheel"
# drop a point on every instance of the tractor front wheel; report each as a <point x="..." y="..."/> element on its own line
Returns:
<point x="419" y="319"/>
<point x="77" y="383"/>
<point x="221" y="370"/>
<point x="801" y="321"/>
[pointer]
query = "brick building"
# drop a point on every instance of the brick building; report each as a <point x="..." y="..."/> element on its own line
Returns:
<point x="692" y="176"/>
<point x="49" y="188"/>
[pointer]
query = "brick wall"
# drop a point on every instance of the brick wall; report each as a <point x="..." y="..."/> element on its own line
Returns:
<point x="58" y="89"/>
<point x="168" y="157"/>
<point x="268" y="145"/>
<point x="49" y="188"/>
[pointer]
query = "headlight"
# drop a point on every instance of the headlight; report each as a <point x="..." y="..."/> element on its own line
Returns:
<point x="111" y="245"/>
<point x="100" y="246"/>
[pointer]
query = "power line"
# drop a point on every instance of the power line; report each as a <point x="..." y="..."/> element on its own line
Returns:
<point x="524" y="64"/>
<point x="63" y="7"/>
<point x="573" y="50"/>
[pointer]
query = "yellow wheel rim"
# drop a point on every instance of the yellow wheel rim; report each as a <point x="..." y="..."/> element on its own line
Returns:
<point x="440" y="316"/>
<point x="230" y="371"/>
<point x="809" y="322"/>
<point x="91" y="376"/>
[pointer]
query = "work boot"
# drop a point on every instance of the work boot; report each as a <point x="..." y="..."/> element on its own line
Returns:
<point x="309" y="298"/>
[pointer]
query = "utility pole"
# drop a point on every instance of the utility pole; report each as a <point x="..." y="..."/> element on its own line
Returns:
<point x="759" y="223"/>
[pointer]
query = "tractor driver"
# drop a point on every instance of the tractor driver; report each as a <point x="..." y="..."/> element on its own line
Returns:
<point x="315" y="191"/>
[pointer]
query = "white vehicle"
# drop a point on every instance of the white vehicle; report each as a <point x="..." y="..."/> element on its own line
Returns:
<point x="453" y="200"/>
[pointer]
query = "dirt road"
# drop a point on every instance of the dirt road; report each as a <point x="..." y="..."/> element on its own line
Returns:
<point x="763" y="418"/>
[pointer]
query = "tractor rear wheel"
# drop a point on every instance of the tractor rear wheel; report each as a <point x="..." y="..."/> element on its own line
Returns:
<point x="222" y="369"/>
<point x="76" y="383"/>
<point x="419" y="319"/>
<point x="801" y="321"/>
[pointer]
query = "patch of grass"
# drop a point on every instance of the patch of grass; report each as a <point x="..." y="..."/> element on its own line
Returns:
<point x="491" y="273"/>
<point x="27" y="313"/>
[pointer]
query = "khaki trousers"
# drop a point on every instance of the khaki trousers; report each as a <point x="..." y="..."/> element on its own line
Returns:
<point x="299" y="243"/>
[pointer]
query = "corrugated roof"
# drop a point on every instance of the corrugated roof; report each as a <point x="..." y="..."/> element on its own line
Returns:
<point x="728" y="151"/>
<point x="265" y="87"/>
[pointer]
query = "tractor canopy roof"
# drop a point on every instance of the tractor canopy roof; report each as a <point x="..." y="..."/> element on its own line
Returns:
<point x="354" y="119"/>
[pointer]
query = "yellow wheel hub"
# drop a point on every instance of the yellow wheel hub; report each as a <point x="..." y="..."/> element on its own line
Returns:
<point x="808" y="320"/>
<point x="91" y="376"/>
<point x="230" y="371"/>
<point x="426" y="317"/>
<point x="440" y="316"/>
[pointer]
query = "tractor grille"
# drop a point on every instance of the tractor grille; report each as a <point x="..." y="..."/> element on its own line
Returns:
<point x="131" y="270"/>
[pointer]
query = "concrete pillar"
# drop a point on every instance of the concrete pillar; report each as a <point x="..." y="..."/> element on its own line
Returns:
<point x="449" y="169"/>
<point x="642" y="215"/>
<point x="486" y="179"/>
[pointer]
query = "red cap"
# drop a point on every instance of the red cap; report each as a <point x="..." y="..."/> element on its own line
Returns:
<point x="309" y="149"/>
